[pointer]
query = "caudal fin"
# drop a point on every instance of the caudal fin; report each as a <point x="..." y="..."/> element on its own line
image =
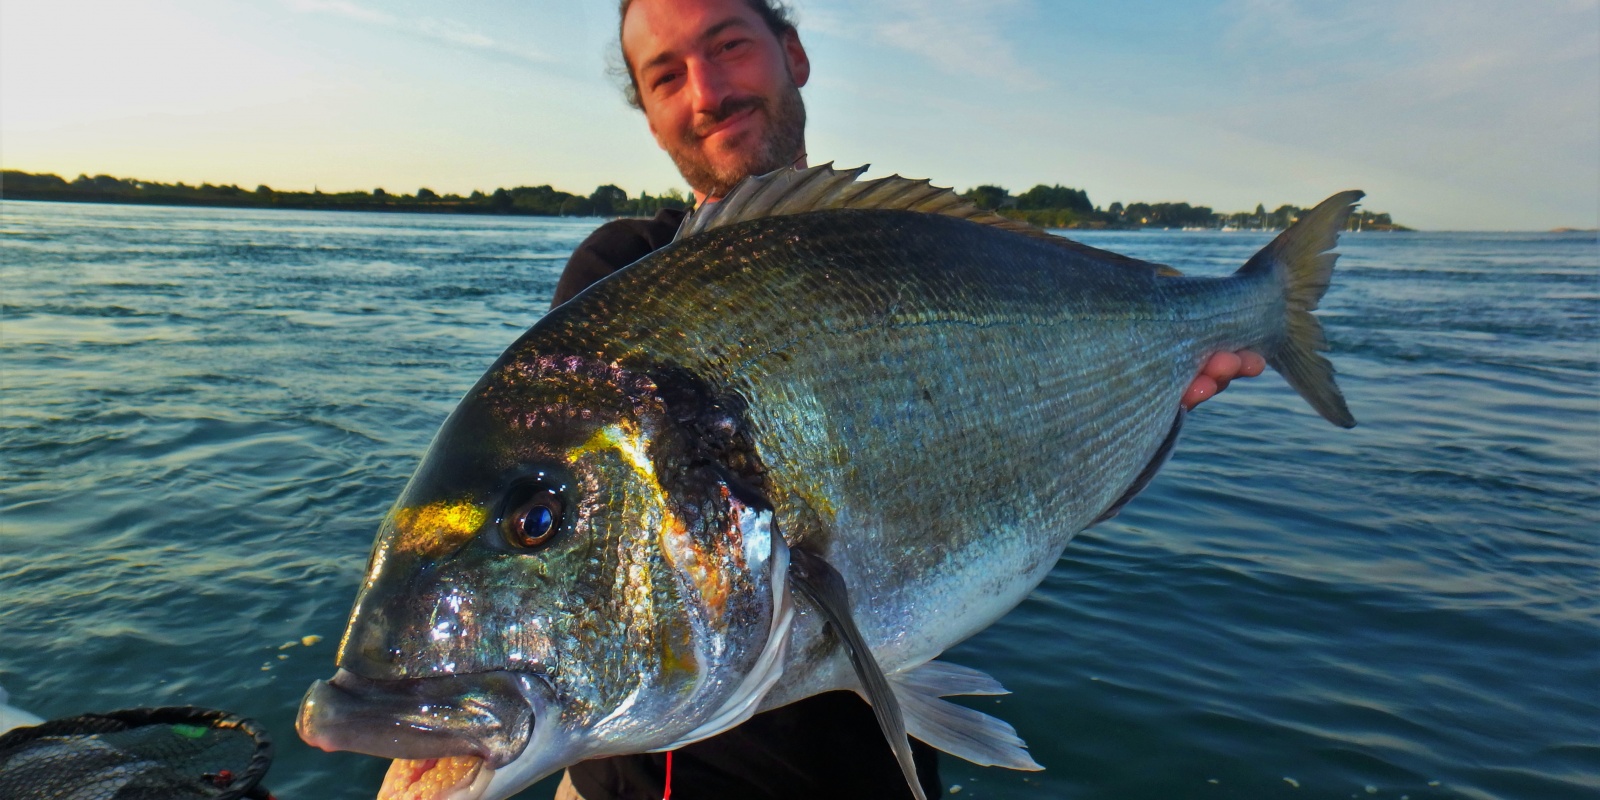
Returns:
<point x="1302" y="258"/>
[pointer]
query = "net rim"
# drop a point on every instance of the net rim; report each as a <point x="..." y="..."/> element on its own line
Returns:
<point x="130" y="718"/>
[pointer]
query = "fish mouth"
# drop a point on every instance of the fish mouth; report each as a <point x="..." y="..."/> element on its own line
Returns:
<point x="486" y="716"/>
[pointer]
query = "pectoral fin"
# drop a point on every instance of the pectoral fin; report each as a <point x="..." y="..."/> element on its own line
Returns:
<point x="960" y="731"/>
<point x="821" y="584"/>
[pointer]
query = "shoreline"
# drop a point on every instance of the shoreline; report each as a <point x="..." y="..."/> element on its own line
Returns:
<point x="1051" y="208"/>
<point x="8" y="197"/>
<point x="443" y="209"/>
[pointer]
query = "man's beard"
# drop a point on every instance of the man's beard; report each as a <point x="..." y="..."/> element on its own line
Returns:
<point x="785" y="136"/>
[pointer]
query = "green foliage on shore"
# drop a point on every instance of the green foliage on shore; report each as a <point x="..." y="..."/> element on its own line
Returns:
<point x="1045" y="206"/>
<point x="1061" y="207"/>
<point x="541" y="201"/>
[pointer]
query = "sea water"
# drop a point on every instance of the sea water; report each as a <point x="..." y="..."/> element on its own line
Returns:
<point x="207" y="411"/>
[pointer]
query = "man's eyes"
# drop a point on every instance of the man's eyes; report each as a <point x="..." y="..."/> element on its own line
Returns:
<point x="731" y="47"/>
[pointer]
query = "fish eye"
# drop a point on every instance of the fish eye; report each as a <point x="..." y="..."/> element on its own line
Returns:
<point x="532" y="515"/>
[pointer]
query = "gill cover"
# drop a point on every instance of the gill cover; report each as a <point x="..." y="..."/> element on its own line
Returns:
<point x="653" y="611"/>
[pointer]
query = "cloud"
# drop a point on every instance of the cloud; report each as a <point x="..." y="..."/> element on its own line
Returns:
<point x="1463" y="68"/>
<point x="442" y="31"/>
<point x="1491" y="98"/>
<point x="453" y="32"/>
<point x="1435" y="48"/>
<point x="958" y="37"/>
<point x="341" y="8"/>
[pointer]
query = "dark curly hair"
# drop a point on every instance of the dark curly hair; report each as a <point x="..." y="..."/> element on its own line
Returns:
<point x="778" y="17"/>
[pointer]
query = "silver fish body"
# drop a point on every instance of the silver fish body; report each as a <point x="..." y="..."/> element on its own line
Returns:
<point x="932" y="406"/>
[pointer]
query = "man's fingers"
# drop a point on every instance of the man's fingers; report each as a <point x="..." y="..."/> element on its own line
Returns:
<point x="1252" y="364"/>
<point x="1201" y="388"/>
<point x="1222" y="366"/>
<point x="1220" y="370"/>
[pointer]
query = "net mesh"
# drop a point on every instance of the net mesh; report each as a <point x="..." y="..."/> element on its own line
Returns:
<point x="140" y="754"/>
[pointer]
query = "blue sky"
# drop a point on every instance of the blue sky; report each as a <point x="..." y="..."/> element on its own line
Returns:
<point x="1451" y="114"/>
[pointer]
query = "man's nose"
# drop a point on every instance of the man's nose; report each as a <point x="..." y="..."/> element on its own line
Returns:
<point x="709" y="86"/>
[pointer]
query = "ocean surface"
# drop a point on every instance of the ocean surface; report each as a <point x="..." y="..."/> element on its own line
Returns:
<point x="206" y="412"/>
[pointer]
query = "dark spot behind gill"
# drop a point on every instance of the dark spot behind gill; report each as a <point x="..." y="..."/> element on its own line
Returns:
<point x="711" y="432"/>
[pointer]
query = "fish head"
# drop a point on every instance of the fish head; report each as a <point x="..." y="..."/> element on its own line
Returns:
<point x="572" y="572"/>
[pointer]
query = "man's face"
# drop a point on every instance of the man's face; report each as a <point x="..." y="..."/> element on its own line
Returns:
<point x="720" y="91"/>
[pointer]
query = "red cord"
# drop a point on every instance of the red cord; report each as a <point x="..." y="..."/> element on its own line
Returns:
<point x="666" y="794"/>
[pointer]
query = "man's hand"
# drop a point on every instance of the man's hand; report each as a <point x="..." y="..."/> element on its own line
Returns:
<point x="1218" y="371"/>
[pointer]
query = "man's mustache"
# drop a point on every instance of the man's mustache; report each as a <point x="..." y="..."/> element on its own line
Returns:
<point x="726" y="109"/>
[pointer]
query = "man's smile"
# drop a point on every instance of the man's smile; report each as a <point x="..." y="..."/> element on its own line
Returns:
<point x="730" y="123"/>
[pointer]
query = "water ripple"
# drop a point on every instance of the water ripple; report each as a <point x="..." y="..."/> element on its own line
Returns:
<point x="208" y="411"/>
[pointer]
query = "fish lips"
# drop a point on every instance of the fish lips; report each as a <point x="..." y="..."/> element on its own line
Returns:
<point x="489" y="715"/>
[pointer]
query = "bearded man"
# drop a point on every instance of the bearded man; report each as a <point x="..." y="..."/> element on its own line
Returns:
<point x="719" y="84"/>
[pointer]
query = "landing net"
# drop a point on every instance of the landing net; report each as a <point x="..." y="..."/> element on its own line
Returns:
<point x="139" y="754"/>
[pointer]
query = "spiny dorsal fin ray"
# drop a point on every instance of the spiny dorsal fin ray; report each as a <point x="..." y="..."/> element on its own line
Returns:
<point x="823" y="188"/>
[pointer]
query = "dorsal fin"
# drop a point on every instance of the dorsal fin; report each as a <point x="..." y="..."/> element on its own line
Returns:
<point x="823" y="188"/>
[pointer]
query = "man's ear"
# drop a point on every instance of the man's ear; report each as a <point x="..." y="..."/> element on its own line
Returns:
<point x="794" y="55"/>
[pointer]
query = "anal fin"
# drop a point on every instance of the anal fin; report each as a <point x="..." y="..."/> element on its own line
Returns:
<point x="820" y="583"/>
<point x="960" y="731"/>
<point x="1147" y="474"/>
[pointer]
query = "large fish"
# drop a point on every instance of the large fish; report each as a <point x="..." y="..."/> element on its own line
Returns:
<point x="835" y="428"/>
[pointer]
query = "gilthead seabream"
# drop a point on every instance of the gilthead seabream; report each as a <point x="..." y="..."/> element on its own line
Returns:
<point x="835" y="428"/>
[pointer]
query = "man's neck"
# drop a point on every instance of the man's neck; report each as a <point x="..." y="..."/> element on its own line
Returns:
<point x="700" y="198"/>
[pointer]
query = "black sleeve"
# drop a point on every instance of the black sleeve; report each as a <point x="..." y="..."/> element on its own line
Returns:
<point x="825" y="746"/>
<point x="613" y="246"/>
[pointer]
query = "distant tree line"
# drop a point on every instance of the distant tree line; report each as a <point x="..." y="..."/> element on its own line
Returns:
<point x="542" y="201"/>
<point x="1061" y="207"/>
<point x="1044" y="206"/>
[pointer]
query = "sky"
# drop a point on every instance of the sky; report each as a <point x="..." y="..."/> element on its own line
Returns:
<point x="1451" y="114"/>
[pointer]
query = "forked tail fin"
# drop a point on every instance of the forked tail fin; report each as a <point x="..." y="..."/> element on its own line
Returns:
<point x="1302" y="259"/>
